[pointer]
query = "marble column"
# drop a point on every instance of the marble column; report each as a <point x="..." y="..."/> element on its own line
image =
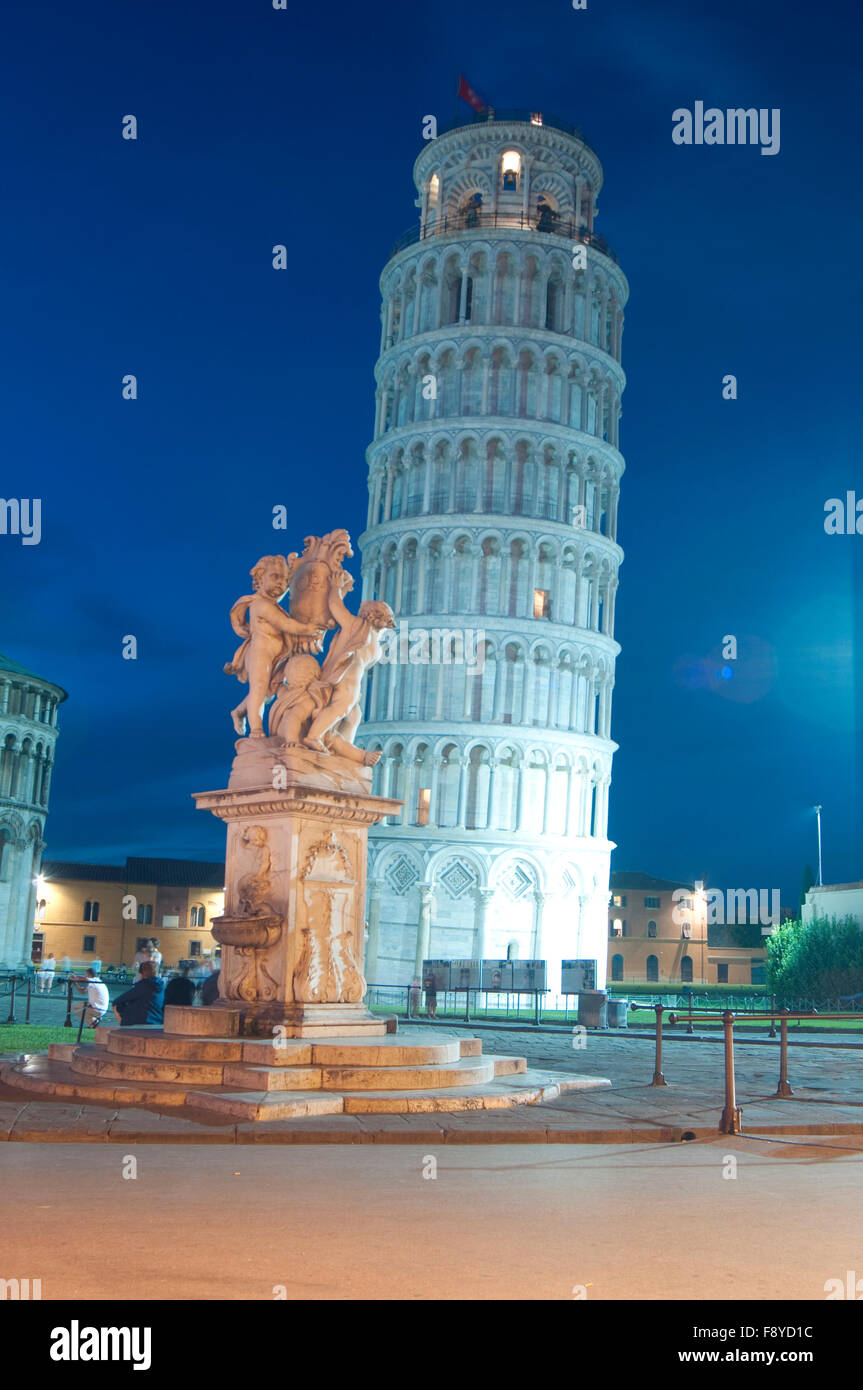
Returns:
<point x="482" y="898"/>
<point x="426" y="891"/>
<point x="376" y="887"/>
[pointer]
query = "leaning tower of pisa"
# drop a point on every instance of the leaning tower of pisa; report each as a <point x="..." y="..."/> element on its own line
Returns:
<point x="494" y="476"/>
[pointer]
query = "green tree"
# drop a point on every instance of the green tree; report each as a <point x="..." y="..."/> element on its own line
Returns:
<point x="816" y="960"/>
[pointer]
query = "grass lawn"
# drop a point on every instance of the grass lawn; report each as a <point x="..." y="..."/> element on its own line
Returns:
<point x="30" y="1037"/>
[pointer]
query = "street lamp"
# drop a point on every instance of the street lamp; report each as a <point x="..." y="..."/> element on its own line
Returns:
<point x="817" y="810"/>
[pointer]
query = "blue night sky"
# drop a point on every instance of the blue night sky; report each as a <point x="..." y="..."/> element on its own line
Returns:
<point x="153" y="257"/>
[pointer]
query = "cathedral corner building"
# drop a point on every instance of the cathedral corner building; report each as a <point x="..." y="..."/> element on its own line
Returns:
<point x="494" y="477"/>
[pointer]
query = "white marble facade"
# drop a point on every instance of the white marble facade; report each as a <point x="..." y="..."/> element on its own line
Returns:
<point x="28" y="732"/>
<point x="494" y="478"/>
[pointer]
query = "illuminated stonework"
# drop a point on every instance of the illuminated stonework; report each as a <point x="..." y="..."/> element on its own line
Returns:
<point x="493" y="490"/>
<point x="28" y="732"/>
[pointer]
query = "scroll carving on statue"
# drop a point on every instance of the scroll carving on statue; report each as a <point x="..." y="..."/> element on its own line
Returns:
<point x="310" y="976"/>
<point x="248" y="977"/>
<point x="344" y="977"/>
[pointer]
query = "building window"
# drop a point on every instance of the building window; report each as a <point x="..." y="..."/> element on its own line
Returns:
<point x="617" y="967"/>
<point x="757" y="972"/>
<point x="541" y="603"/>
<point x="423" y="805"/>
<point x="722" y="974"/>
<point x="686" y="931"/>
<point x="618" y="927"/>
<point x="196" y="915"/>
<point x="40" y="909"/>
<point x="652" y="902"/>
<point x="194" y="948"/>
<point x="89" y="944"/>
<point x="510" y="169"/>
<point x="686" y="970"/>
<point x="145" y="914"/>
<point x="91" y="911"/>
<point x="170" y="919"/>
<point x="651" y="929"/>
<point x="652" y="969"/>
<point x="619" y="900"/>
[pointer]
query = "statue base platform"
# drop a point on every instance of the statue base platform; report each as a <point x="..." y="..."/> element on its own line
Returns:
<point x="268" y="1020"/>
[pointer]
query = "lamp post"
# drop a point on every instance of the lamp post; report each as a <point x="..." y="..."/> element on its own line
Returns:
<point x="817" y="810"/>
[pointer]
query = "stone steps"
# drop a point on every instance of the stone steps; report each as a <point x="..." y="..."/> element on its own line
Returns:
<point x="229" y="1077"/>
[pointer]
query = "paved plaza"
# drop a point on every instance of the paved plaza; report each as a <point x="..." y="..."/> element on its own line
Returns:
<point x="827" y="1082"/>
<point x="510" y="1222"/>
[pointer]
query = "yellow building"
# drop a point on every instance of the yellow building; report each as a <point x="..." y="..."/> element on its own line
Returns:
<point x="654" y="936"/>
<point x="107" y="911"/>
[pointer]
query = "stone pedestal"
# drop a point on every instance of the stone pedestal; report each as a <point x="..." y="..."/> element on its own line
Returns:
<point x="295" y="880"/>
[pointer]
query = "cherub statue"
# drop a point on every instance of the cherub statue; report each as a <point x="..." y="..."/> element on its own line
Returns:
<point x="299" y="699"/>
<point x="270" y="637"/>
<point x="354" y="648"/>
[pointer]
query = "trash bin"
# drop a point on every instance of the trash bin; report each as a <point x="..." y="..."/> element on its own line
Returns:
<point x="617" y="1009"/>
<point x="592" y="1008"/>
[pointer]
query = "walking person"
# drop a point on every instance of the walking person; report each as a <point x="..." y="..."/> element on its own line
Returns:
<point x="156" y="955"/>
<point x="144" y="1002"/>
<point x="45" y="974"/>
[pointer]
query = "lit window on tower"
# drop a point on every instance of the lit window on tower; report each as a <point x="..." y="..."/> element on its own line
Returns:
<point x="541" y="603"/>
<point x="511" y="168"/>
<point x="423" y="805"/>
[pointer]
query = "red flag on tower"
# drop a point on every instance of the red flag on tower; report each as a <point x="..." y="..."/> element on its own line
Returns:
<point x="467" y="93"/>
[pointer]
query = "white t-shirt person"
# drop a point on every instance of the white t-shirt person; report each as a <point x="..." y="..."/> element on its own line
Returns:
<point x="98" y="997"/>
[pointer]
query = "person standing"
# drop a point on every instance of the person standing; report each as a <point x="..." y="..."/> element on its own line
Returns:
<point x="144" y="1002"/>
<point x="142" y="954"/>
<point x="156" y="955"/>
<point x="45" y="974"/>
<point x="431" y="996"/>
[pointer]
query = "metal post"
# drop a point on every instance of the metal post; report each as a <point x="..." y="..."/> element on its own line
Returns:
<point x="408" y="1010"/>
<point x="29" y="992"/>
<point x="536" y="1007"/>
<point x="730" y="1122"/>
<point x="84" y="1007"/>
<point x="689" y="1024"/>
<point x="11" y="1018"/>
<point x="783" y="1088"/>
<point x="67" y="1023"/>
<point x="658" y="1078"/>
<point x="467" y="1005"/>
<point x="772" y="1033"/>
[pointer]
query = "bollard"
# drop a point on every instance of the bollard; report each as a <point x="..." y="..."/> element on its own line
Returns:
<point x="783" y="1088"/>
<point x="29" y="991"/>
<point x="11" y="1018"/>
<point x="730" y="1122"/>
<point x="67" y="1022"/>
<point x="658" y="1078"/>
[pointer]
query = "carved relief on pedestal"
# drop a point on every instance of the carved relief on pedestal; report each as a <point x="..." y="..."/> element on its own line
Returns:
<point x="250" y="935"/>
<point x="327" y="971"/>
